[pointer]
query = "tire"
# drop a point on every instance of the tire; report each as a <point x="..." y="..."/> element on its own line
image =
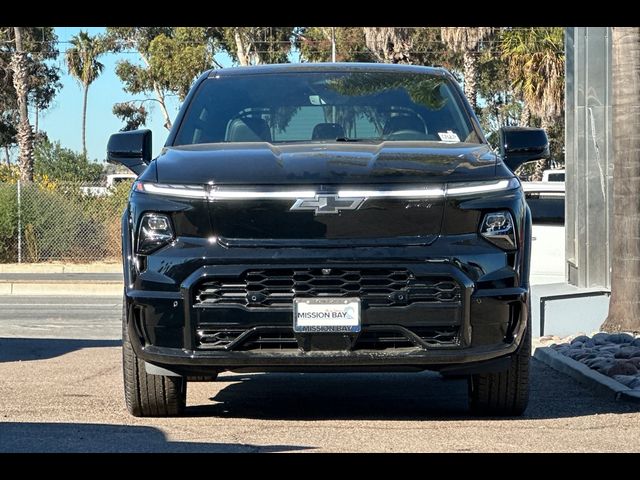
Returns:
<point x="503" y="393"/>
<point x="149" y="395"/>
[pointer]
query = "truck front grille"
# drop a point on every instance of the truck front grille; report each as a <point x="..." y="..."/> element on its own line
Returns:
<point x="278" y="287"/>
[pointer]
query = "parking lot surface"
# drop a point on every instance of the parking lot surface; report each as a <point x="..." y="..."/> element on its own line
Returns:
<point x="61" y="391"/>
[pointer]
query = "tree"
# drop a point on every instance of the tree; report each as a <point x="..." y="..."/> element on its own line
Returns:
<point x="59" y="163"/>
<point x="20" y="69"/>
<point x="389" y="44"/>
<point x="8" y="115"/>
<point x="44" y="85"/>
<point x="499" y="106"/>
<point x="415" y="45"/>
<point x="172" y="58"/>
<point x="536" y="64"/>
<point x="467" y="40"/>
<point x="314" y="44"/>
<point x="83" y="65"/>
<point x="38" y="82"/>
<point x="624" y="306"/>
<point x="256" y="45"/>
<point x="133" y="116"/>
<point x="7" y="136"/>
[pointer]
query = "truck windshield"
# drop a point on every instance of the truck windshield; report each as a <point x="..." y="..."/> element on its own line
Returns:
<point x="326" y="106"/>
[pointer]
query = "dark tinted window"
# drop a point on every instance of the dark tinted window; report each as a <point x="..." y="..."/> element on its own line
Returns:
<point x="323" y="106"/>
<point x="556" y="177"/>
<point x="546" y="208"/>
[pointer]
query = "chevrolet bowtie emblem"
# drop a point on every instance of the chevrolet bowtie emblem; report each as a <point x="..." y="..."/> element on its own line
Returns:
<point x="322" y="204"/>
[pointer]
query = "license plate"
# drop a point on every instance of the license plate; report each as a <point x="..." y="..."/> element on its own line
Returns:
<point x="318" y="315"/>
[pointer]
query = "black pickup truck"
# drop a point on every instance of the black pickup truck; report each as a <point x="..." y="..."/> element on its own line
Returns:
<point x="326" y="218"/>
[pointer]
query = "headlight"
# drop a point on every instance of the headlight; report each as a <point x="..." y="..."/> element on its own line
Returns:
<point x="499" y="229"/>
<point x="155" y="232"/>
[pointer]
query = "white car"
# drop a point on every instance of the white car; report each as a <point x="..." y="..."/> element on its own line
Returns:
<point x="546" y="201"/>
<point x="111" y="182"/>
<point x="555" y="175"/>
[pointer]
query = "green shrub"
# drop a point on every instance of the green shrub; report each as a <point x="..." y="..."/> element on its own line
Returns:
<point x="60" y="222"/>
<point x="8" y="222"/>
<point x="62" y="164"/>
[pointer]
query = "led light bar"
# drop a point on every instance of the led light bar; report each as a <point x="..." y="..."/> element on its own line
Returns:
<point x="454" y="189"/>
<point x="427" y="192"/>
<point x="247" y="194"/>
<point x="188" y="191"/>
<point x="431" y="191"/>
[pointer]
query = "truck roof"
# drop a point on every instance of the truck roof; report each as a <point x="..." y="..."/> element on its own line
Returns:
<point x="327" y="67"/>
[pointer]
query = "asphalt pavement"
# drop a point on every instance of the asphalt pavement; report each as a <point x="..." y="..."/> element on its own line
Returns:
<point x="91" y="277"/>
<point x="61" y="391"/>
<point x="60" y="317"/>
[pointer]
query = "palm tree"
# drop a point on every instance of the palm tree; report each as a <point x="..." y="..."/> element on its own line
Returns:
<point x="536" y="64"/>
<point x="83" y="65"/>
<point x="467" y="40"/>
<point x="624" y="306"/>
<point x="389" y="44"/>
<point x="20" y="69"/>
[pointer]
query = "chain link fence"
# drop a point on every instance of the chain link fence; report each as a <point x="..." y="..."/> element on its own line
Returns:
<point x="45" y="221"/>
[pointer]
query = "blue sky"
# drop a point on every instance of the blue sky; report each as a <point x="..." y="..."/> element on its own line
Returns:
<point x="63" y="120"/>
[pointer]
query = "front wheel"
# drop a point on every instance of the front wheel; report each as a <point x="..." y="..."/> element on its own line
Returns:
<point x="503" y="393"/>
<point x="148" y="395"/>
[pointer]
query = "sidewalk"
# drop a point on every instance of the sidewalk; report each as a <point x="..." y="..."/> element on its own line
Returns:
<point x="95" y="279"/>
<point x="60" y="267"/>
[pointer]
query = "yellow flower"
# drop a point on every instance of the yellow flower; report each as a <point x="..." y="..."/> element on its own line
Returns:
<point x="46" y="183"/>
<point x="9" y="174"/>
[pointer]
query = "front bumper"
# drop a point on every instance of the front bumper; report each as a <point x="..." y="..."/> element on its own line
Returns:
<point x="167" y="328"/>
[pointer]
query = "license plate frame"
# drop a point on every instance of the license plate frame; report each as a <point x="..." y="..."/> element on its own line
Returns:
<point x="333" y="315"/>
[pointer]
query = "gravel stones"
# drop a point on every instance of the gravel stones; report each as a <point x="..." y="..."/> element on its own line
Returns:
<point x="600" y="338"/>
<point x="580" y="338"/>
<point x="616" y="355"/>
<point x="622" y="368"/>
<point x="627" y="352"/>
<point x="635" y="361"/>
<point x="620" y="338"/>
<point x="602" y="365"/>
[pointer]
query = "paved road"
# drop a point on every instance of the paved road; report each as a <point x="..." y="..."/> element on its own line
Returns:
<point x="61" y="277"/>
<point x="60" y="317"/>
<point x="58" y="394"/>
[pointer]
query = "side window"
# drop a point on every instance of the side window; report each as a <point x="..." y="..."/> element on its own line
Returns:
<point x="198" y="131"/>
<point x="195" y="128"/>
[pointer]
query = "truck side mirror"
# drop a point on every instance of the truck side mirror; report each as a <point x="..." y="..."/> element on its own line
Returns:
<point x="131" y="149"/>
<point x="520" y="145"/>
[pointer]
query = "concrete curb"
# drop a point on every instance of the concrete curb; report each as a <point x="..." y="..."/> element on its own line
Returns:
<point x="62" y="288"/>
<point x="96" y="267"/>
<point x="583" y="374"/>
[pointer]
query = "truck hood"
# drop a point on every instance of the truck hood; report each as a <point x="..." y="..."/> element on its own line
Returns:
<point x="325" y="163"/>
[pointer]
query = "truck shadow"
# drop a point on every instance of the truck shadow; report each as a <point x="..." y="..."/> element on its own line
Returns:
<point x="92" y="437"/>
<point x="390" y="396"/>
<point x="26" y="349"/>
